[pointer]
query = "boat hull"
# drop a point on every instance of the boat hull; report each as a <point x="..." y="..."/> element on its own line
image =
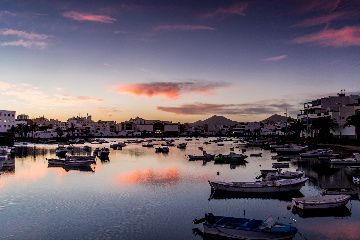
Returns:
<point x="322" y="202"/>
<point x="284" y="185"/>
<point x="245" y="234"/>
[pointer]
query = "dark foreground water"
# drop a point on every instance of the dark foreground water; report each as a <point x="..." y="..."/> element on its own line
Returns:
<point x="140" y="194"/>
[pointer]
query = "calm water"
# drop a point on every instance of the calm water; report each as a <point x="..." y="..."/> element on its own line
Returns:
<point x="140" y="194"/>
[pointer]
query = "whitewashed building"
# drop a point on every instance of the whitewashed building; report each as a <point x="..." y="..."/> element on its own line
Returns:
<point x="7" y="120"/>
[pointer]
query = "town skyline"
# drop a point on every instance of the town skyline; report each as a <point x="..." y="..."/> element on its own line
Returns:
<point x="176" y="61"/>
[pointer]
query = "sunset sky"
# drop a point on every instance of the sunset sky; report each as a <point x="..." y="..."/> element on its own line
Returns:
<point x="180" y="61"/>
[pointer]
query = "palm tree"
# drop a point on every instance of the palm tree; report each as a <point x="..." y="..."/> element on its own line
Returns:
<point x="323" y="125"/>
<point x="33" y="128"/>
<point x="59" y="132"/>
<point x="72" y="129"/>
<point x="296" y="128"/>
<point x="354" y="120"/>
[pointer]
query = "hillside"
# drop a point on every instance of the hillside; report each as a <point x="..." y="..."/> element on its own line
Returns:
<point x="275" y="118"/>
<point x="215" y="120"/>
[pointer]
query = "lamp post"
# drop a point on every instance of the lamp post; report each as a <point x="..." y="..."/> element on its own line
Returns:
<point x="339" y="121"/>
<point x="306" y="105"/>
<point x="286" y="122"/>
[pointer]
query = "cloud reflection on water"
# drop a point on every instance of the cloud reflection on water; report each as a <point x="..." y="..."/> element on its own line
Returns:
<point x="149" y="176"/>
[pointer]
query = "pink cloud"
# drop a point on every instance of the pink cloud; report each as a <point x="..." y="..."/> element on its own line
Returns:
<point x="27" y="44"/>
<point x="269" y="106"/>
<point x="276" y="58"/>
<point x="170" y="90"/>
<point x="88" y="17"/>
<point x="324" y="19"/>
<point x="347" y="36"/>
<point x="149" y="176"/>
<point x="318" y="5"/>
<point x="64" y="97"/>
<point x="23" y="34"/>
<point x="6" y="13"/>
<point x="83" y="98"/>
<point x="182" y="28"/>
<point x="237" y="9"/>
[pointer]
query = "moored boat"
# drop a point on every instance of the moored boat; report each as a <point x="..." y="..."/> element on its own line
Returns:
<point x="205" y="156"/>
<point x="281" y="185"/>
<point x="355" y="160"/>
<point x="230" y="158"/>
<point x="352" y="170"/>
<point x="320" y="202"/>
<point x="339" y="191"/>
<point x="244" y="228"/>
<point x="280" y="165"/>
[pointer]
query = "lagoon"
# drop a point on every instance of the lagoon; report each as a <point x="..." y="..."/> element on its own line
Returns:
<point x="140" y="194"/>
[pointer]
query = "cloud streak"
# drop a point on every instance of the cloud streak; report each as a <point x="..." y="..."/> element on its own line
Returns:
<point x="222" y="13"/>
<point x="88" y="17"/>
<point x="34" y="40"/>
<point x="275" y="58"/>
<point x="171" y="28"/>
<point x="22" y="34"/>
<point x="311" y="22"/>
<point x="229" y="109"/>
<point x="171" y="90"/>
<point x="345" y="37"/>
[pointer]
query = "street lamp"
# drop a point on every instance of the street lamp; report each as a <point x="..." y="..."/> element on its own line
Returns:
<point x="339" y="120"/>
<point x="286" y="122"/>
<point x="306" y="105"/>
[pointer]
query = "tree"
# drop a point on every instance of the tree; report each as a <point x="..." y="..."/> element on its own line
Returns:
<point x="23" y="129"/>
<point x="13" y="130"/>
<point x="323" y="125"/>
<point x="354" y="120"/>
<point x="296" y="128"/>
<point x="72" y="129"/>
<point x="59" y="132"/>
<point x="34" y="127"/>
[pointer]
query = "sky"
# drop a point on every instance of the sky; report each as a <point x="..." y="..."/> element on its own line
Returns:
<point x="179" y="61"/>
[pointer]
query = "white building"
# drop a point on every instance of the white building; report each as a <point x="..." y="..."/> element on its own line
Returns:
<point x="7" y="120"/>
<point x="338" y="108"/>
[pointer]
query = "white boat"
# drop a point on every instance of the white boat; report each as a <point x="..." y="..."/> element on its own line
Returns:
<point x="352" y="170"/>
<point x="320" y="202"/>
<point x="278" y="174"/>
<point x="280" y="165"/>
<point x="295" y="149"/>
<point x="4" y="150"/>
<point x="317" y="153"/>
<point x="244" y="228"/>
<point x="281" y="185"/>
<point x="347" y="161"/>
<point x="205" y="156"/>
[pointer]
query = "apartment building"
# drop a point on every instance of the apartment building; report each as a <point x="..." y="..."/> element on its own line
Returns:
<point x="7" y="120"/>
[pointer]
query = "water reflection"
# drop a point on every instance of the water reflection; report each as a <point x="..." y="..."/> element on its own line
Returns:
<point x="149" y="176"/>
<point x="342" y="211"/>
<point x="282" y="196"/>
<point x="73" y="168"/>
<point x="140" y="175"/>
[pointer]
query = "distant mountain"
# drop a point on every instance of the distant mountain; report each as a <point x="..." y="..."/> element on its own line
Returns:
<point x="215" y="120"/>
<point x="275" y="118"/>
